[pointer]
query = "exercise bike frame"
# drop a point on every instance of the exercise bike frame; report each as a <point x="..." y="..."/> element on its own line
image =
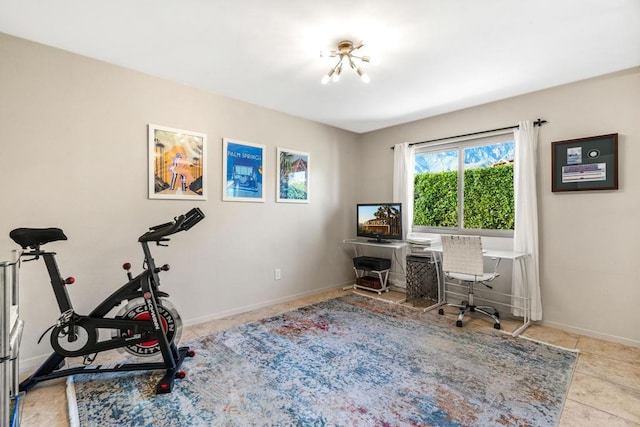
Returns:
<point x="144" y="285"/>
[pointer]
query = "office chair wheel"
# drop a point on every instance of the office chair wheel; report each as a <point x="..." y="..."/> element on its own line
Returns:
<point x="497" y="315"/>
<point x="496" y="326"/>
<point x="459" y="323"/>
<point x="441" y="311"/>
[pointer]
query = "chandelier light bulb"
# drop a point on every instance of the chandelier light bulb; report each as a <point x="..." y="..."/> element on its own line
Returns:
<point x="336" y="75"/>
<point x="327" y="76"/>
<point x="363" y="76"/>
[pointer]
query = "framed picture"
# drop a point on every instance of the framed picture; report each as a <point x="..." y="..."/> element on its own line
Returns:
<point x="585" y="164"/>
<point x="242" y="171"/>
<point x="293" y="176"/>
<point x="177" y="164"/>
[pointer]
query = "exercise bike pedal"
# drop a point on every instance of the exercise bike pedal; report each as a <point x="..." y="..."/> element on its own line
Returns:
<point x="89" y="359"/>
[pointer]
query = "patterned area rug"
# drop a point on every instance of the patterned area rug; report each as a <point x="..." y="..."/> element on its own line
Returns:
<point x="344" y="362"/>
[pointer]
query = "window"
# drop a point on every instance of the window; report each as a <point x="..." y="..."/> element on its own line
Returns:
<point x="479" y="198"/>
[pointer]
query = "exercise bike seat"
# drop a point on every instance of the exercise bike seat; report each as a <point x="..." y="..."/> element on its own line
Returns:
<point x="34" y="237"/>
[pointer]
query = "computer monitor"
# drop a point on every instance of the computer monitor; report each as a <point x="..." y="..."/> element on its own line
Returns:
<point x="381" y="222"/>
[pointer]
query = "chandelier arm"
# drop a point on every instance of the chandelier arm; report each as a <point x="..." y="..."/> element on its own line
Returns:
<point x="334" y="68"/>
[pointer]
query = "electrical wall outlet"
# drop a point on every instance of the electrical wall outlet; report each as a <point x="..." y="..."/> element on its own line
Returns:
<point x="277" y="274"/>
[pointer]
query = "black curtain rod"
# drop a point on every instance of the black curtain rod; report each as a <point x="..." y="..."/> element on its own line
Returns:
<point x="538" y="122"/>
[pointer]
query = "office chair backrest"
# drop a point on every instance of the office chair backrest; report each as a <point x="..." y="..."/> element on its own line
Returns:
<point x="462" y="254"/>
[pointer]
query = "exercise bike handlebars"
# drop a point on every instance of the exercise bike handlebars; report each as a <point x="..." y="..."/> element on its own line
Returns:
<point x="182" y="222"/>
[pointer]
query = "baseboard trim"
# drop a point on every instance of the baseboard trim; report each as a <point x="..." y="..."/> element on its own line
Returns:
<point x="590" y="333"/>
<point x="256" y="306"/>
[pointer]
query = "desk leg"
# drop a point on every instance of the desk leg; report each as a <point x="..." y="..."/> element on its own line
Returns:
<point x="440" y="280"/>
<point x="526" y="306"/>
<point x="356" y="253"/>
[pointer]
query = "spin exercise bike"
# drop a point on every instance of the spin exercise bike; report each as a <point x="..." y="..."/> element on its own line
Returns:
<point x="146" y="327"/>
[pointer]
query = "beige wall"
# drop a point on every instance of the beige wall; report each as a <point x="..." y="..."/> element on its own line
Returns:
<point x="73" y="133"/>
<point x="589" y="241"/>
<point x="74" y="155"/>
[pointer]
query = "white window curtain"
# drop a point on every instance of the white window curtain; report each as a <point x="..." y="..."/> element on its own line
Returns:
<point x="403" y="193"/>
<point x="526" y="219"/>
<point x="403" y="183"/>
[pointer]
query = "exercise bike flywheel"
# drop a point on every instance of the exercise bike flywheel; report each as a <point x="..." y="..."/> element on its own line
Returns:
<point x="149" y="351"/>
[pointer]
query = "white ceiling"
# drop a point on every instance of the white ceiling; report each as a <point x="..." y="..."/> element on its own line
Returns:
<point x="435" y="56"/>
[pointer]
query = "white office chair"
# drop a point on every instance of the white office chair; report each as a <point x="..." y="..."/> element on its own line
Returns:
<point x="462" y="260"/>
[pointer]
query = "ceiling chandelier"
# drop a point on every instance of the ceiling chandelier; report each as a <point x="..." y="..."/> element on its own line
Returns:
<point x="346" y="51"/>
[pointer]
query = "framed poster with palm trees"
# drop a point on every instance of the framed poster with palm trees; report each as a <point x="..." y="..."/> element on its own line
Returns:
<point x="293" y="176"/>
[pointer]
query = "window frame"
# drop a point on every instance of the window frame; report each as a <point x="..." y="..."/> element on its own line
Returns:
<point x="459" y="145"/>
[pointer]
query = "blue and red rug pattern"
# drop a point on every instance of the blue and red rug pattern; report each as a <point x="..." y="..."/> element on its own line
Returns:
<point x="351" y="361"/>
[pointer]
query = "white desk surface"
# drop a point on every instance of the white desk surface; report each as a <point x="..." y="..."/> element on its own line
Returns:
<point x="491" y="253"/>
<point x="398" y="244"/>
<point x="395" y="244"/>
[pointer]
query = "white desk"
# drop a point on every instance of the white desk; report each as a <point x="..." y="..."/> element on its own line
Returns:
<point x="393" y="244"/>
<point x="518" y="257"/>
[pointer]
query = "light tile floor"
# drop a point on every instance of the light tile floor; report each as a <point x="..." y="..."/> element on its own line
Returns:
<point x="604" y="391"/>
